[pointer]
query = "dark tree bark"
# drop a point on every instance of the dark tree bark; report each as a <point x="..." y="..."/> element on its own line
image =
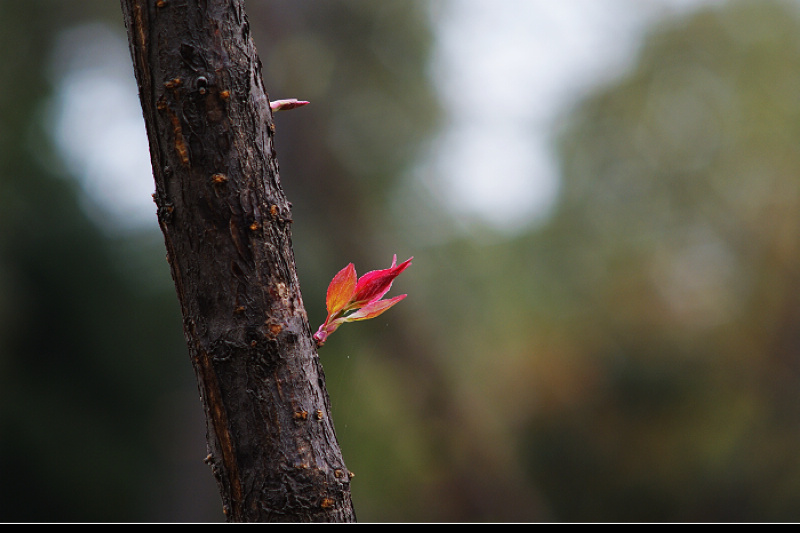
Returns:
<point x="226" y="225"/>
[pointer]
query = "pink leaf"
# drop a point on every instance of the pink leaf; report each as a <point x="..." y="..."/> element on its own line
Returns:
<point x="373" y="309"/>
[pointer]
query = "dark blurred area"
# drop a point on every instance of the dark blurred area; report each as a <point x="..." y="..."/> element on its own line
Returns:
<point x="634" y="358"/>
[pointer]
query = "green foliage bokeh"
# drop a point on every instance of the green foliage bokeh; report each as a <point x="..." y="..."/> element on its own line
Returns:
<point x="633" y="358"/>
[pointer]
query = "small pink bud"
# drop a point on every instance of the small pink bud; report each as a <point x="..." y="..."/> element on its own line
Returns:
<point x="285" y="105"/>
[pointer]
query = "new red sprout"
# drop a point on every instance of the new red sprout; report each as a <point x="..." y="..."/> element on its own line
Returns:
<point x="360" y="297"/>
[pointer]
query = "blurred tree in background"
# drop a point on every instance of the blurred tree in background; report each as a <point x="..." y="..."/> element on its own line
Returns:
<point x="90" y="339"/>
<point x="635" y="358"/>
<point x="674" y="264"/>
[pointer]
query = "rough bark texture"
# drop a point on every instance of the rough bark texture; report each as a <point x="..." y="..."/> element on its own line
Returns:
<point x="226" y="225"/>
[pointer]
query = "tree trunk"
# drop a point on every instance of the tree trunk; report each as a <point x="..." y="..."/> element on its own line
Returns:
<point x="226" y="225"/>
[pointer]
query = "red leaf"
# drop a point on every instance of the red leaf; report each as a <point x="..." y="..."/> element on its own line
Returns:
<point x="373" y="285"/>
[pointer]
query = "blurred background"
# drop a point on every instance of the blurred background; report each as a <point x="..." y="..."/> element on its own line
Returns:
<point x="602" y="198"/>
